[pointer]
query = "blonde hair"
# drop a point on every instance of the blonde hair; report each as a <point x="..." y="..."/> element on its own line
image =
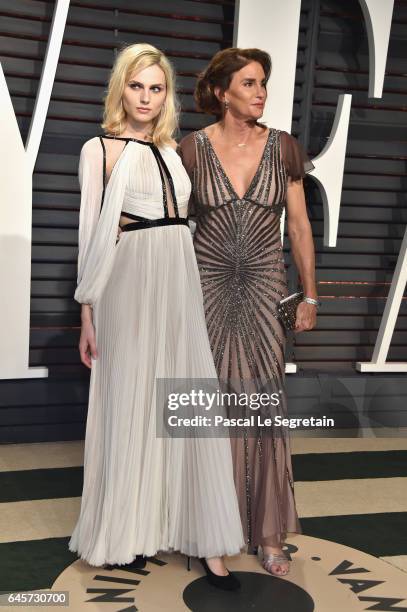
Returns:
<point x="134" y="58"/>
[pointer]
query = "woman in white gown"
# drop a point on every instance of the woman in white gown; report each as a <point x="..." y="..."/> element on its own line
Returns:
<point x="143" y="319"/>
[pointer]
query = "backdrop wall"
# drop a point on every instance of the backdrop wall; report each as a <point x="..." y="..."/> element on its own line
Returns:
<point x="353" y="278"/>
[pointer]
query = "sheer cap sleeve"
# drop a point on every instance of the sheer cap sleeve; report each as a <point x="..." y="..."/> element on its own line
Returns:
<point x="187" y="151"/>
<point x="295" y="159"/>
<point x="90" y="175"/>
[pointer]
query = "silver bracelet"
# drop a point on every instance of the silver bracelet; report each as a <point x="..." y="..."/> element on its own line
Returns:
<point x="309" y="300"/>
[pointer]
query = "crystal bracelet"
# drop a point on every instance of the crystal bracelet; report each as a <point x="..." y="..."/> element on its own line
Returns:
<point x="309" y="300"/>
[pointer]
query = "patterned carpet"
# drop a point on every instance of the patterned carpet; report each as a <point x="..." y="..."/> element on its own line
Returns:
<point x="351" y="491"/>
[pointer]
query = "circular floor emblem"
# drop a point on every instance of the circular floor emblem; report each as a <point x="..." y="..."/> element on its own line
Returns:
<point x="324" y="577"/>
<point x="260" y="592"/>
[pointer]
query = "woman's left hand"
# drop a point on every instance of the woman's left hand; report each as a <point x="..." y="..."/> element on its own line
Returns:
<point x="306" y="317"/>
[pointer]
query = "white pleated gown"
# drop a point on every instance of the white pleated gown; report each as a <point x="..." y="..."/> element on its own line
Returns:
<point x="143" y="494"/>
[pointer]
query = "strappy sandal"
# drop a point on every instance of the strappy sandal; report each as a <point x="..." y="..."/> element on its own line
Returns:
<point x="273" y="559"/>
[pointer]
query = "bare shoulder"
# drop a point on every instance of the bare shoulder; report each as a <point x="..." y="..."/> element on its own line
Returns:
<point x="212" y="129"/>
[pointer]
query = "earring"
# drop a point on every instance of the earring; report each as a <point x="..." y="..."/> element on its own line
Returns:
<point x="226" y="104"/>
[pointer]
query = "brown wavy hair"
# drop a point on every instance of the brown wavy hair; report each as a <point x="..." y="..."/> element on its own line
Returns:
<point x="219" y="73"/>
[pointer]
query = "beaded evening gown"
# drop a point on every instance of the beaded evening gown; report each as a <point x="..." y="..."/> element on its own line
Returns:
<point x="144" y="493"/>
<point x="239" y="252"/>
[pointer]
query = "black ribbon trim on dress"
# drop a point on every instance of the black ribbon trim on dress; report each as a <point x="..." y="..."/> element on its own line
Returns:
<point x="130" y="227"/>
<point x="157" y="156"/>
<point x="161" y="166"/>
<point x="131" y="216"/>
<point x="104" y="172"/>
<point x="162" y="163"/>
<point x="144" y="142"/>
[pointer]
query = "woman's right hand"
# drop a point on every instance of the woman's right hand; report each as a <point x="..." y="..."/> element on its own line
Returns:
<point x="87" y="341"/>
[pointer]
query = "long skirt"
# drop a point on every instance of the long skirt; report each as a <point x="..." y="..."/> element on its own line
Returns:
<point x="143" y="493"/>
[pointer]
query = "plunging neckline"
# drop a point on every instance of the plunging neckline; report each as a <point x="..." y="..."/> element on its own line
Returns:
<point x="225" y="175"/>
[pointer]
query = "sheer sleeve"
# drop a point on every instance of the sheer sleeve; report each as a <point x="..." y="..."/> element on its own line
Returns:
<point x="295" y="159"/>
<point x="90" y="175"/>
<point x="98" y="229"/>
<point x="187" y="151"/>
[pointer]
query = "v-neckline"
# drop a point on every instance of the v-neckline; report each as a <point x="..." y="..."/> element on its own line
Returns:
<point x="225" y="175"/>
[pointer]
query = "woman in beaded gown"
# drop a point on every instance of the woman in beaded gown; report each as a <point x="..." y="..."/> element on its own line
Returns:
<point x="142" y="320"/>
<point x="239" y="252"/>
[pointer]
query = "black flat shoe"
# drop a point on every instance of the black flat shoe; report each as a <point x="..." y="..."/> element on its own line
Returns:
<point x="139" y="562"/>
<point x="227" y="583"/>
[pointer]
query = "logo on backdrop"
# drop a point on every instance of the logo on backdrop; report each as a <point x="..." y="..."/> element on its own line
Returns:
<point x="277" y="32"/>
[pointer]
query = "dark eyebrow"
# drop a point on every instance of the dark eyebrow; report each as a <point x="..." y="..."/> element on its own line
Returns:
<point x="250" y="80"/>
<point x="133" y="82"/>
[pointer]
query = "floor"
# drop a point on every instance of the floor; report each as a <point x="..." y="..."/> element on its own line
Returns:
<point x="351" y="496"/>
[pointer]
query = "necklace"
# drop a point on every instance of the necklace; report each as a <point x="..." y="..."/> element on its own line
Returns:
<point x="240" y="145"/>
